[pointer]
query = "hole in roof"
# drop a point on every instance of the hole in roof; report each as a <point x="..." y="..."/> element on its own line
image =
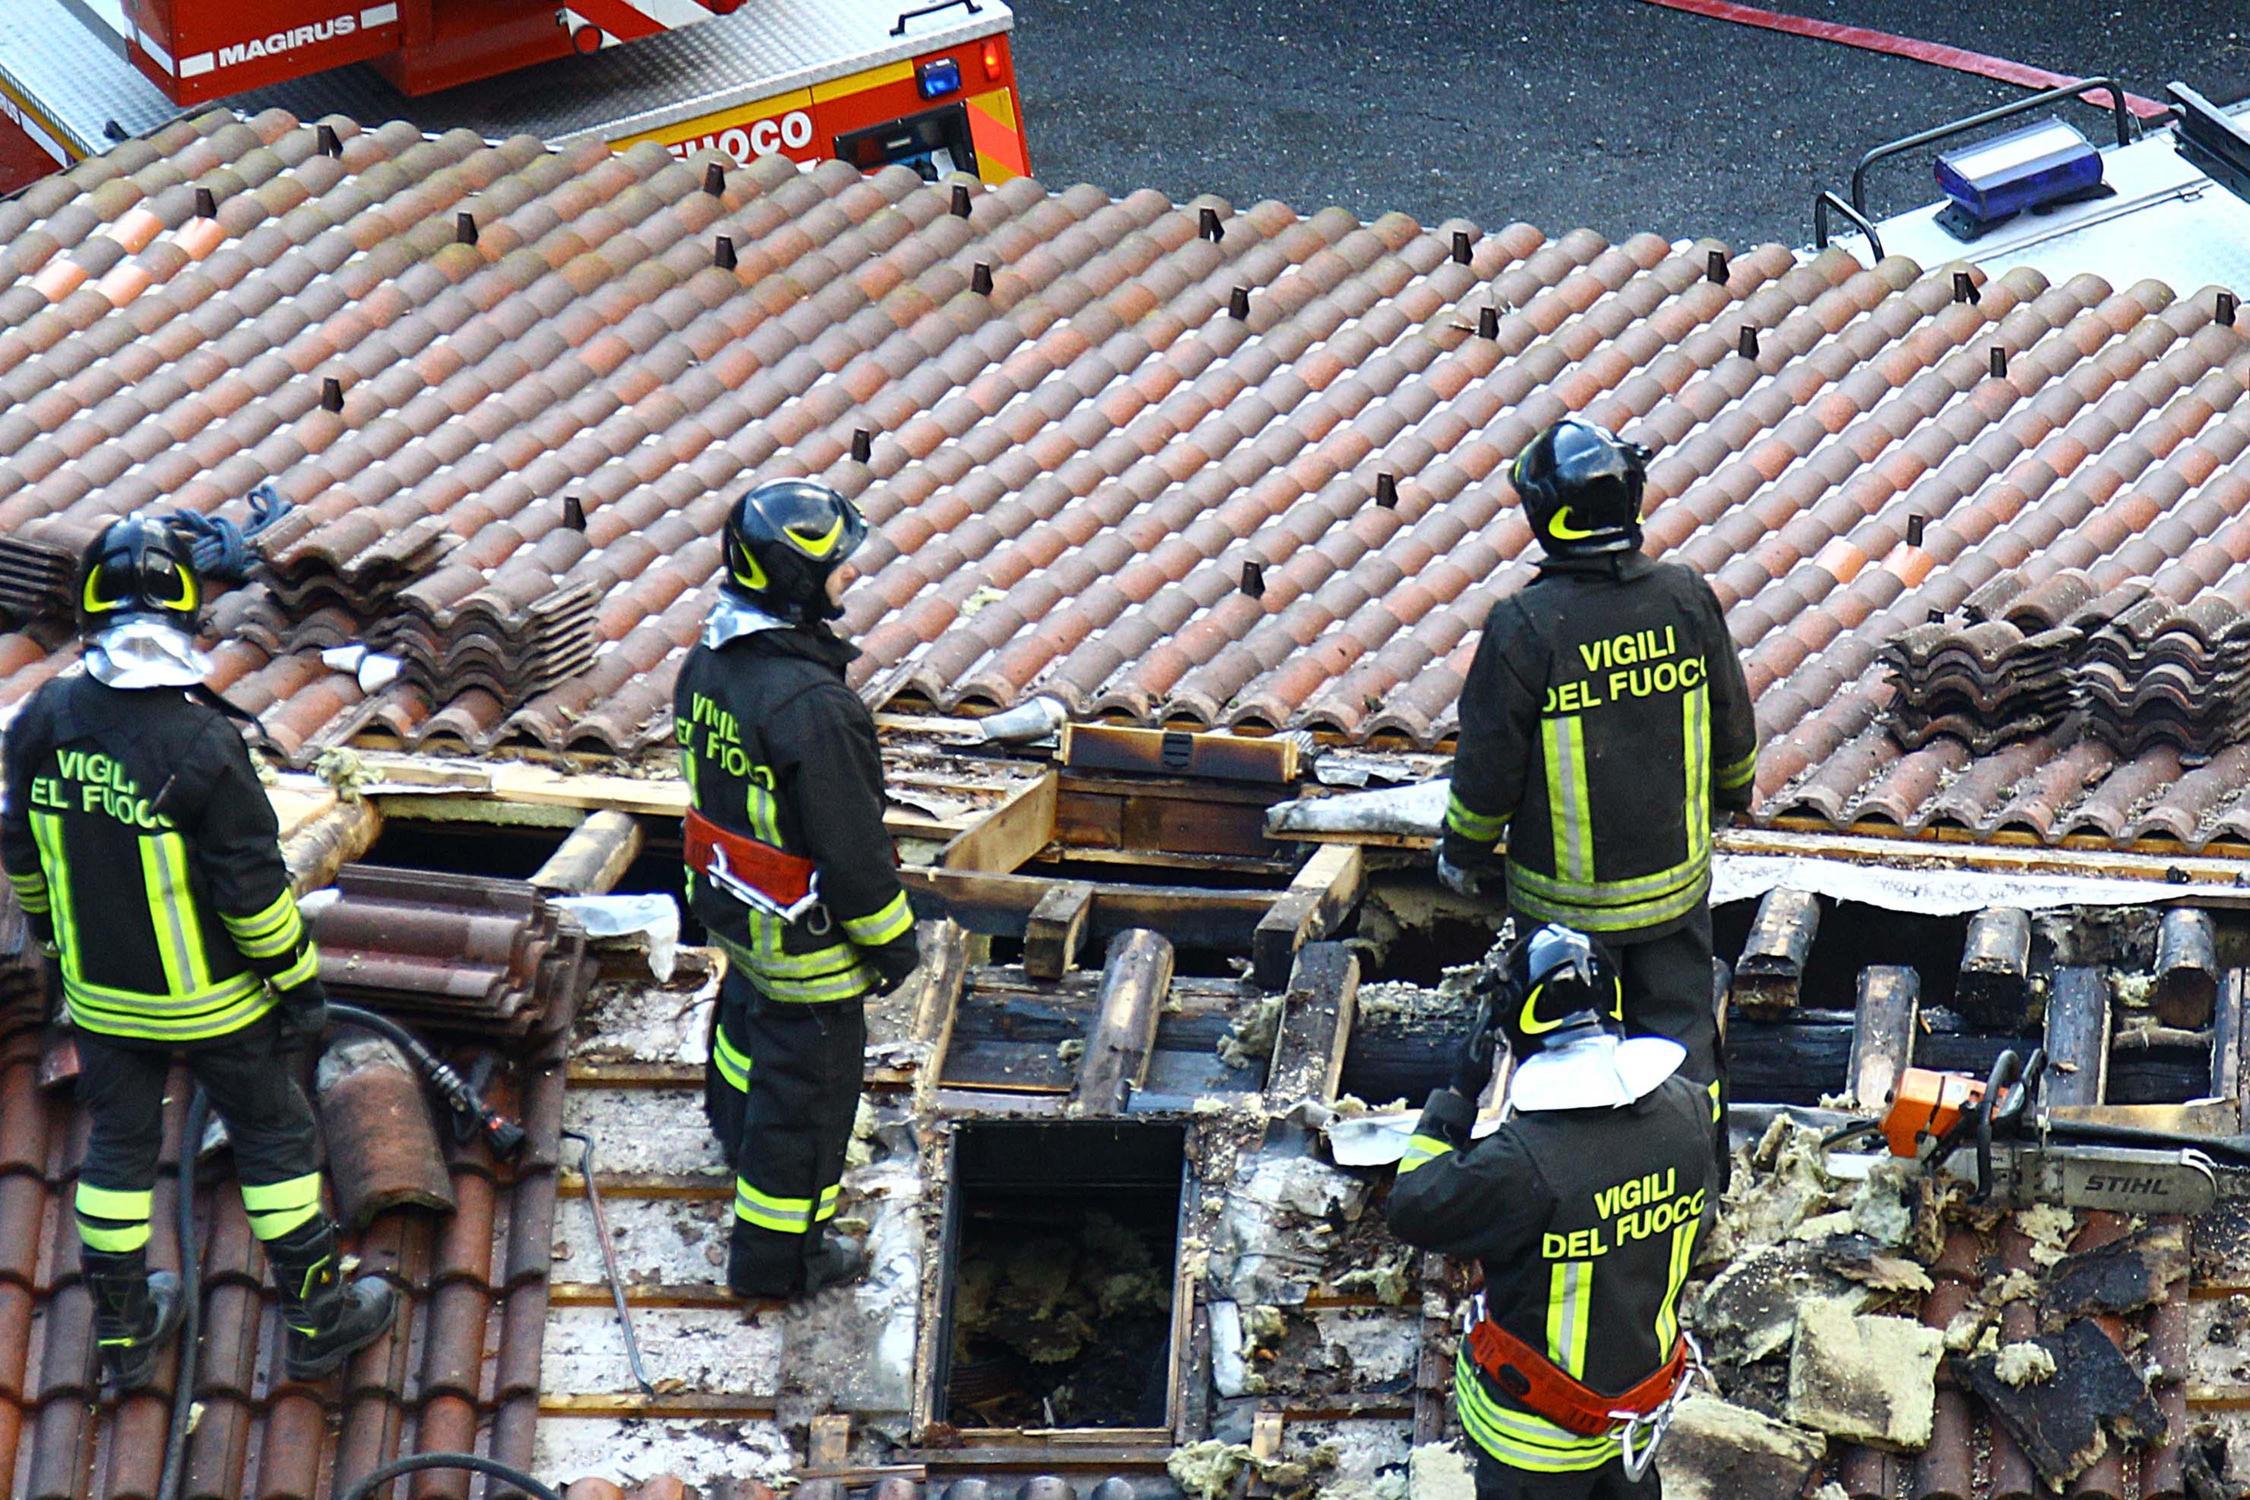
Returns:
<point x="1062" y="1265"/>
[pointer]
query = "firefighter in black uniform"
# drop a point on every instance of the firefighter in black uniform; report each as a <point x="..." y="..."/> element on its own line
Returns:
<point x="1604" y="723"/>
<point x="144" y="850"/>
<point x="792" y="872"/>
<point x="1583" y="1209"/>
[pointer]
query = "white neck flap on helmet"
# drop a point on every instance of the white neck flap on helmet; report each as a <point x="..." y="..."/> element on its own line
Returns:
<point x="145" y="654"/>
<point x="1599" y="1071"/>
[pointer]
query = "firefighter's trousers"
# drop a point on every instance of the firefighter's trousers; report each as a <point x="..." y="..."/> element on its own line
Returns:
<point x="253" y="1087"/>
<point x="1498" y="1481"/>
<point x="781" y="1091"/>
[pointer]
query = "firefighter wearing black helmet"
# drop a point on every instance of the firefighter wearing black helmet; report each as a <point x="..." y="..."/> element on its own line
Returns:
<point x="1583" y="1210"/>
<point x="142" y="846"/>
<point x="792" y="872"/>
<point x="1604" y="726"/>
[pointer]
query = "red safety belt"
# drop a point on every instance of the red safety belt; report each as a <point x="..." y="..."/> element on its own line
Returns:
<point x="788" y="885"/>
<point x="1551" y="1392"/>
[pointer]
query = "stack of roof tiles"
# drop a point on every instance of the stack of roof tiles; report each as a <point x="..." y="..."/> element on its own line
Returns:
<point x="1257" y="480"/>
<point x="37" y="575"/>
<point x="1993" y="672"/>
<point x="457" y="952"/>
<point x="21" y="986"/>
<point x="2159" y="673"/>
<point x="459" y="1372"/>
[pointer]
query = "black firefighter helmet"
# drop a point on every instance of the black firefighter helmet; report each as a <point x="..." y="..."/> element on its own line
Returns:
<point x="784" y="538"/>
<point x="138" y="569"/>
<point x="1581" y="486"/>
<point x="1561" y="987"/>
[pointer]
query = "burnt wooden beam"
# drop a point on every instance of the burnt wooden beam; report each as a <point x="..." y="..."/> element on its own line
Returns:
<point x="1773" y="956"/>
<point x="1010" y="835"/>
<point x="2187" y="968"/>
<point x="1056" y="929"/>
<point x="318" y="848"/>
<point x="594" y="858"/>
<point x="1316" y="1025"/>
<point x="2077" y="1036"/>
<point x="941" y="978"/>
<point x="1135" y="980"/>
<point x="1001" y="906"/>
<point x="828" y="1444"/>
<point x="2226" y="1036"/>
<point x="1097" y="810"/>
<point x="1318" y="899"/>
<point x="1890" y="997"/>
<point x="1171" y="752"/>
<point x="1994" y="987"/>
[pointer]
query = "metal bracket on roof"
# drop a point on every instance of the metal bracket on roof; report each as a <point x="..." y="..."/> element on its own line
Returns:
<point x="328" y="142"/>
<point x="1715" y="268"/>
<point x="1746" y="342"/>
<point x="904" y="16"/>
<point x="1488" y="322"/>
<point x="722" y="253"/>
<point x="574" y="513"/>
<point x="715" y="180"/>
<point x="1254" y="580"/>
<point x="1208" y="227"/>
<point x="980" y="278"/>
<point x="2222" y="312"/>
<point x="863" y="445"/>
<point x="1999" y="362"/>
<point x="1461" y="247"/>
<point x="1386" y="491"/>
<point x="1965" y="289"/>
<point x="206" y="203"/>
<point x="331" y="394"/>
<point x="960" y="200"/>
<point x="2213" y="140"/>
<point x="1238" y="305"/>
<point x="464" y="228"/>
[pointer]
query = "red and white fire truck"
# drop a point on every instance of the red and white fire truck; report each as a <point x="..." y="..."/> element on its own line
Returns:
<point x="869" y="81"/>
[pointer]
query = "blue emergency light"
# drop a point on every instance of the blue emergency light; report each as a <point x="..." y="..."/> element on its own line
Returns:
<point x="938" y="78"/>
<point x="2025" y="168"/>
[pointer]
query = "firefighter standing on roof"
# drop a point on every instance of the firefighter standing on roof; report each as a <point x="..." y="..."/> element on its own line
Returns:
<point x="791" y="870"/>
<point x="1584" y="1208"/>
<point x="142" y="846"/>
<point x="1604" y="720"/>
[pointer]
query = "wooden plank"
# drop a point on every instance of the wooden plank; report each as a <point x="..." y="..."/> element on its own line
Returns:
<point x="1086" y="820"/>
<point x="1001" y="905"/>
<point x="2187" y="968"/>
<point x="1883" y="1036"/>
<point x="943" y="972"/>
<point x="595" y="856"/>
<point x="1265" y="1447"/>
<point x="1994" y="989"/>
<point x="2077" y="1037"/>
<point x="1166" y="752"/>
<point x="2226" y="1037"/>
<point x="1316" y="1026"/>
<point x="1011" y="833"/>
<point x="701" y="1185"/>
<point x="1135" y="979"/>
<point x="1320" y="896"/>
<point x="700" y="1296"/>
<point x="1773" y="956"/>
<point x="682" y="1405"/>
<point x="828" y="1445"/>
<point x="1056" y="928"/>
<point x="1195" y="825"/>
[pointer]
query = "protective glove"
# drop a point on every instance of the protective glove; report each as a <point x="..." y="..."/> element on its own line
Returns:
<point x="301" y="1016"/>
<point x="895" y="960"/>
<point x="1471" y="883"/>
<point x="1472" y="1065"/>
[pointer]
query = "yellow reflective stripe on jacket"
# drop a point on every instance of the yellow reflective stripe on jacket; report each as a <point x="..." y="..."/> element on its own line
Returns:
<point x="1695" y="737"/>
<point x="894" y="919"/>
<point x="31" y="892"/>
<point x="1421" y="1150"/>
<point x="760" y="807"/>
<point x="269" y="933"/>
<point x="171" y="913"/>
<point x="306" y="967"/>
<point x="227" y="1007"/>
<point x="46" y="831"/>
<point x="276" y="1208"/>
<point x="1570" y="1307"/>
<point x="1737" y="773"/>
<point x="1570" y="813"/>
<point x="1529" y="894"/>
<point x="768" y="1211"/>
<point x="1518" y="1438"/>
<point x="828" y="1199"/>
<point x="835" y="972"/>
<point x="1472" y="825"/>
<point x="1667" y="1312"/>
<point x="732" y="1062"/>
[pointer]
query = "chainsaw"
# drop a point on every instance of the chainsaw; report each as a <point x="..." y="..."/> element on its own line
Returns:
<point x="2018" y="1157"/>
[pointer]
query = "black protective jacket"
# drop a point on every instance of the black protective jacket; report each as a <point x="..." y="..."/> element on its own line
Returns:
<point x="143" y="847"/>
<point x="1604" y="722"/>
<point x="1585" y="1222"/>
<point x="776" y="748"/>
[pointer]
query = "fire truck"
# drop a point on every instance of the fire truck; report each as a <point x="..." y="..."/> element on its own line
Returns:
<point x="871" y="82"/>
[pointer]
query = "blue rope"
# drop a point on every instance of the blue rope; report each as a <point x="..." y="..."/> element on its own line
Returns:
<point x="221" y="547"/>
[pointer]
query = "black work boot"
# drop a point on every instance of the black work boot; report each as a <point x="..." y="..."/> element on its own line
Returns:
<point x="839" y="1258"/>
<point x="328" y="1320"/>
<point x="136" y="1312"/>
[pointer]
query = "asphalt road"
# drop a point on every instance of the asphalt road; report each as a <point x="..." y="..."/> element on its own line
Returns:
<point x="1617" y="114"/>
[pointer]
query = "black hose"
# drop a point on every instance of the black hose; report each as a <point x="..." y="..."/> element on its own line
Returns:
<point x="191" y="1301"/>
<point x="475" y="1117"/>
<point x="414" y="1462"/>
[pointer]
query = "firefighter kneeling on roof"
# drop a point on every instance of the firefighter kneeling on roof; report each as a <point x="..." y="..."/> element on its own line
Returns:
<point x="1583" y="1209"/>
<point x="792" y="872"/>
<point x="143" y="848"/>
